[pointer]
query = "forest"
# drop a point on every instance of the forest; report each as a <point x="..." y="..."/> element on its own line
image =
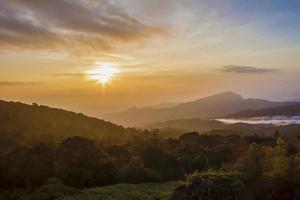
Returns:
<point x="191" y="166"/>
<point x="247" y="163"/>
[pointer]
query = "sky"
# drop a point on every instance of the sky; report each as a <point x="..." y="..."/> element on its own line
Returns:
<point x="96" y="56"/>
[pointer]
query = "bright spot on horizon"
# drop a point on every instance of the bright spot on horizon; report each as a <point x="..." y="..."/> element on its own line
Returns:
<point x="103" y="73"/>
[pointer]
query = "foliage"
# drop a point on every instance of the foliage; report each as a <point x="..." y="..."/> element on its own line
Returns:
<point x="211" y="185"/>
<point x="57" y="191"/>
<point x="134" y="156"/>
<point x="252" y="162"/>
<point x="80" y="163"/>
<point x="53" y="189"/>
<point x="145" y="191"/>
<point x="135" y="172"/>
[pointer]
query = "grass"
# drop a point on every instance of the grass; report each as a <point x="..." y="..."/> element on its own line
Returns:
<point x="144" y="191"/>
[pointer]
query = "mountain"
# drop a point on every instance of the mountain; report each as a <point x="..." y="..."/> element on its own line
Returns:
<point x="209" y="107"/>
<point x="164" y="105"/>
<point x="32" y="123"/>
<point x="292" y="110"/>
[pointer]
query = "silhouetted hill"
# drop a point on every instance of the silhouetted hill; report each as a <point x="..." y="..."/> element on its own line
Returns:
<point x="175" y="128"/>
<point x="209" y="107"/>
<point x="292" y="110"/>
<point x="36" y="123"/>
<point x="186" y="125"/>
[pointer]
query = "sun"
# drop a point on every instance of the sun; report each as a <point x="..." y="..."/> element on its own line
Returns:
<point x="103" y="73"/>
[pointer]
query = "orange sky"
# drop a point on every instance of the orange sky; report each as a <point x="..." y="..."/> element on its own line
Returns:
<point x="160" y="51"/>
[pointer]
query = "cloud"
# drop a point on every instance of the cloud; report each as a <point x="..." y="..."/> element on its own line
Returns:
<point x="238" y="69"/>
<point x="15" y="83"/>
<point x="66" y="75"/>
<point x="73" y="25"/>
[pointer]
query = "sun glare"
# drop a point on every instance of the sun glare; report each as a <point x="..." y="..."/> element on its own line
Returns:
<point x="102" y="73"/>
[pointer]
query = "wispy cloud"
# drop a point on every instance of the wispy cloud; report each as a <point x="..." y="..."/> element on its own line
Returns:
<point x="239" y="69"/>
<point x="75" y="25"/>
<point x="16" y="83"/>
<point x="66" y="75"/>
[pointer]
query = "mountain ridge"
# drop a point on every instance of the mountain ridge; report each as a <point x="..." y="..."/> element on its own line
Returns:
<point x="38" y="122"/>
<point x="290" y="110"/>
<point x="213" y="106"/>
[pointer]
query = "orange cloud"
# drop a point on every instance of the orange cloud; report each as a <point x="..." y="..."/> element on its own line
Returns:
<point x="68" y="25"/>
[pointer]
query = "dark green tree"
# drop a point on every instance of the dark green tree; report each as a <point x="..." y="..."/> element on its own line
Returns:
<point x="252" y="163"/>
<point x="81" y="163"/>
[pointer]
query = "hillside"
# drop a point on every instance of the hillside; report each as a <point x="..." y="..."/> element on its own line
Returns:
<point x="175" y="128"/>
<point x="209" y="107"/>
<point x="55" y="189"/>
<point x="292" y="110"/>
<point x="200" y="125"/>
<point x="145" y="191"/>
<point x="35" y="123"/>
<point x="86" y="168"/>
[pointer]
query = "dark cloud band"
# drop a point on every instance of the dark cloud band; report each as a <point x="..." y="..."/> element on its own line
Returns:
<point x="15" y="83"/>
<point x="68" y="24"/>
<point x="238" y="69"/>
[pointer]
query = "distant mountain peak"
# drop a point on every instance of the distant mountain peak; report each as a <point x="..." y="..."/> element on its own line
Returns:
<point x="227" y="94"/>
<point x="224" y="96"/>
